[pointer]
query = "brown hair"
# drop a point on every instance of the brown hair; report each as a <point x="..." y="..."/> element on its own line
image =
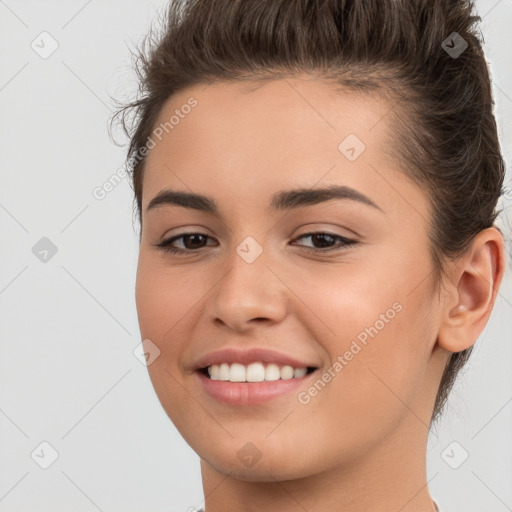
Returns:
<point x="445" y="138"/>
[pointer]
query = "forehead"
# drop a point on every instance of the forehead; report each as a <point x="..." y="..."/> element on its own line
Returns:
<point x="296" y="114"/>
<point x="247" y="139"/>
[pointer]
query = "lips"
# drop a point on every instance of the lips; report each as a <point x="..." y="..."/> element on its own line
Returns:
<point x="252" y="392"/>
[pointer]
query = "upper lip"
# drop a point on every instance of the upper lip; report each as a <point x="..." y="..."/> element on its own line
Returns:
<point x="247" y="356"/>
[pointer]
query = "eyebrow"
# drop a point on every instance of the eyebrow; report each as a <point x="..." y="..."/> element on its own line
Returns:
<point x="282" y="200"/>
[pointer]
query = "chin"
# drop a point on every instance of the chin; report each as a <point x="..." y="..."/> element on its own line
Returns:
<point x="273" y="468"/>
<point x="263" y="460"/>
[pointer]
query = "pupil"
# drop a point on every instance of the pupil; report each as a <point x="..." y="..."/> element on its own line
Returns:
<point x="322" y="237"/>
<point x="192" y="237"/>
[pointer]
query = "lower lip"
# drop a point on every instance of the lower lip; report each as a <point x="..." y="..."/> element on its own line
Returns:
<point x="250" y="393"/>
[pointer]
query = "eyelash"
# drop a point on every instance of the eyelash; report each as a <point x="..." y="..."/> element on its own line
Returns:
<point x="166" y="246"/>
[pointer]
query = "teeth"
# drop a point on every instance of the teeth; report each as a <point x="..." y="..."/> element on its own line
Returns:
<point x="286" y="372"/>
<point x="237" y="373"/>
<point x="299" y="372"/>
<point x="224" y="371"/>
<point x="254" y="372"/>
<point x="272" y="372"/>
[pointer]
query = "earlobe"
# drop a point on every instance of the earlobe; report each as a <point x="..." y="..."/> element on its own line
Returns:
<point x="474" y="283"/>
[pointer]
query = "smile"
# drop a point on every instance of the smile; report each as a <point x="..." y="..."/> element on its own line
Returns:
<point x="244" y="392"/>
<point x="254" y="372"/>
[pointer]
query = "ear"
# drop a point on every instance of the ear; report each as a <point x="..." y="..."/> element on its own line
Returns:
<point x="473" y="285"/>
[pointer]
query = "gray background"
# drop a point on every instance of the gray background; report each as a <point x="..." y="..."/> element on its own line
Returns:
<point x="68" y="374"/>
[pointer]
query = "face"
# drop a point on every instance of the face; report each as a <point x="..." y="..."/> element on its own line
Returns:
<point x="336" y="283"/>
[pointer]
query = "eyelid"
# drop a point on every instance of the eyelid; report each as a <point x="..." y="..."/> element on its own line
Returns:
<point x="186" y="229"/>
<point x="345" y="242"/>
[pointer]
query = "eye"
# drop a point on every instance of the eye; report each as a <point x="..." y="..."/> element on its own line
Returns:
<point x="192" y="242"/>
<point x="326" y="240"/>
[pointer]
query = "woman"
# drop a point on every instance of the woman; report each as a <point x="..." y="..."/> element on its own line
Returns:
<point x="316" y="183"/>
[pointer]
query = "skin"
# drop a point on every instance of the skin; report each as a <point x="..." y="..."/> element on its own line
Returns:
<point x="368" y="427"/>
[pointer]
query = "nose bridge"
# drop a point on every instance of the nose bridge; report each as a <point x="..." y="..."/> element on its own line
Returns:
<point x="248" y="289"/>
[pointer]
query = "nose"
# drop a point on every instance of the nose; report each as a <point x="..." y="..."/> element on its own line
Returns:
<point x="249" y="293"/>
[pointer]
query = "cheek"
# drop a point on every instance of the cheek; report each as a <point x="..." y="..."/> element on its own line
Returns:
<point x="163" y="298"/>
<point x="162" y="314"/>
<point x="376" y="328"/>
<point x="162" y="310"/>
